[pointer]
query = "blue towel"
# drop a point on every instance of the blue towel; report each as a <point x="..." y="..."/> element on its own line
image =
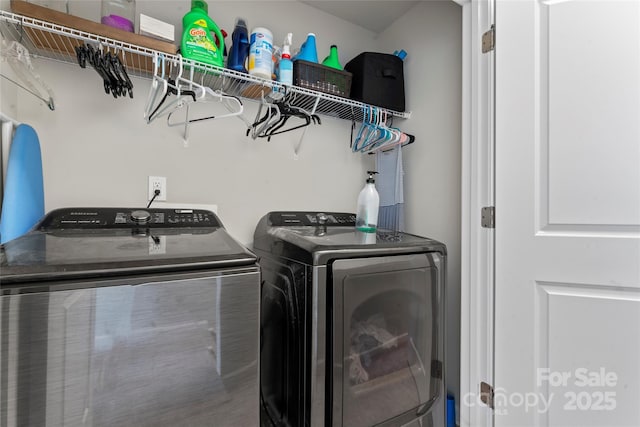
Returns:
<point x="390" y="186"/>
<point x="23" y="202"/>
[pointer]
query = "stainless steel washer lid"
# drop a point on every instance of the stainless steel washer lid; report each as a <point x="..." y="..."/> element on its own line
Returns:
<point x="304" y="237"/>
<point x="88" y="242"/>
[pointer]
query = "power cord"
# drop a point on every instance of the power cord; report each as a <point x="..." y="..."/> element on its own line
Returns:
<point x="156" y="193"/>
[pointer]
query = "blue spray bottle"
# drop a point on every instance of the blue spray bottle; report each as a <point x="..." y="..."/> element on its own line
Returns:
<point x="285" y="66"/>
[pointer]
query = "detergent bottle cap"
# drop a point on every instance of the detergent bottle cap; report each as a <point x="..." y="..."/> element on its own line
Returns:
<point x="200" y="4"/>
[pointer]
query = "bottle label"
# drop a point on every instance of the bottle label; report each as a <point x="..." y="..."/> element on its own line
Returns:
<point x="261" y="55"/>
<point x="200" y="46"/>
<point x="286" y="76"/>
<point x="201" y="23"/>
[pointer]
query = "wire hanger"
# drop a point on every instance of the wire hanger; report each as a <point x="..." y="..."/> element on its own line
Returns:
<point x="17" y="56"/>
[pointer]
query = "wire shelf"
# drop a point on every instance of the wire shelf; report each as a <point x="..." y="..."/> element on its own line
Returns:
<point x="57" y="42"/>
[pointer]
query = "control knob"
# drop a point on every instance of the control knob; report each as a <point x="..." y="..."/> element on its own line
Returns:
<point x="140" y="217"/>
<point x="322" y="218"/>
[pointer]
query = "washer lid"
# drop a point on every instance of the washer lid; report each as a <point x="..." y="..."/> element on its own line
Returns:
<point x="86" y="242"/>
<point x="297" y="235"/>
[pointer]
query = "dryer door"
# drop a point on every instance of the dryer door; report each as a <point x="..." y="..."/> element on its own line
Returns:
<point x="387" y="338"/>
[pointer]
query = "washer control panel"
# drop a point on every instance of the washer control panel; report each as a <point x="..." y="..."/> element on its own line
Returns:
<point x="312" y="219"/>
<point x="111" y="218"/>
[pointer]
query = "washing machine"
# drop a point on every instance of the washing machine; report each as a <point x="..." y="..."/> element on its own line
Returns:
<point x="125" y="317"/>
<point x="351" y="323"/>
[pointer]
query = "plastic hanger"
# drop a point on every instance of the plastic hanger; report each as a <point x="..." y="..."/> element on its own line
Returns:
<point x="287" y="112"/>
<point x="174" y="87"/>
<point x="374" y="131"/>
<point x="363" y="130"/>
<point x="232" y="104"/>
<point x="387" y="135"/>
<point x="109" y="66"/>
<point x="17" y="56"/>
<point x="159" y="86"/>
<point x="261" y="123"/>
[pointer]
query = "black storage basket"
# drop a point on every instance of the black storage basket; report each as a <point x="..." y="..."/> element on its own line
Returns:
<point x="321" y="78"/>
<point x="378" y="79"/>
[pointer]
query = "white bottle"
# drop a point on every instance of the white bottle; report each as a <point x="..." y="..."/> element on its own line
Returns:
<point x="368" y="205"/>
<point x="261" y="53"/>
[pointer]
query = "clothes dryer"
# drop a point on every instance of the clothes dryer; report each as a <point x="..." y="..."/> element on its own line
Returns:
<point x="351" y="323"/>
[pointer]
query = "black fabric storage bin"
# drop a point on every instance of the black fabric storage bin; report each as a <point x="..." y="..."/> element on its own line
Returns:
<point x="378" y="79"/>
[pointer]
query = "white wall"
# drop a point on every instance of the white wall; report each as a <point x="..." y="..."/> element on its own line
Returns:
<point x="98" y="151"/>
<point x="431" y="33"/>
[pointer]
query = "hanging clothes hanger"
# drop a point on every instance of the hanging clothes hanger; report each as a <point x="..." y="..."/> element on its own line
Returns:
<point x="178" y="86"/>
<point x="368" y="131"/>
<point x="385" y="135"/>
<point x="278" y="114"/>
<point x="17" y="56"/>
<point x="202" y="95"/>
<point x="262" y="122"/>
<point x="210" y="97"/>
<point x="6" y="118"/>
<point x="159" y="86"/>
<point x="288" y="112"/>
<point x="109" y="66"/>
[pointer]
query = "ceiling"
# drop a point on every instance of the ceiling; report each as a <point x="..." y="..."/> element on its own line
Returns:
<point x="372" y="15"/>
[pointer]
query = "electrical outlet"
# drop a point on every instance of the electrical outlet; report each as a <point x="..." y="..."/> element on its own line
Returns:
<point x="157" y="245"/>
<point x="157" y="183"/>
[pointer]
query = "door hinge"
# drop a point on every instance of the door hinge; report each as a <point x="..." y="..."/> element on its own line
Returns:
<point x="488" y="217"/>
<point x="486" y="394"/>
<point x="436" y="369"/>
<point x="489" y="40"/>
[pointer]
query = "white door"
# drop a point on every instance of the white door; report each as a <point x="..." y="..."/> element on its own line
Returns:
<point x="567" y="319"/>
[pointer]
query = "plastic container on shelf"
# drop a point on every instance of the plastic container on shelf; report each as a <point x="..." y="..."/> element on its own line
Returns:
<point x="119" y="14"/>
<point x="239" y="51"/>
<point x="261" y="53"/>
<point x="332" y="59"/>
<point x="308" y="51"/>
<point x="202" y="40"/>
<point x="285" y="66"/>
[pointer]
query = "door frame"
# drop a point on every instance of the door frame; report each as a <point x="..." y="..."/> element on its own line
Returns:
<point x="477" y="242"/>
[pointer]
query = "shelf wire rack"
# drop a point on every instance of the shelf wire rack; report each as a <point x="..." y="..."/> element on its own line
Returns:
<point x="56" y="42"/>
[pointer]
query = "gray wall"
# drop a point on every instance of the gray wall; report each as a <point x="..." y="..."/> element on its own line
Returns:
<point x="98" y="151"/>
<point x="431" y="33"/>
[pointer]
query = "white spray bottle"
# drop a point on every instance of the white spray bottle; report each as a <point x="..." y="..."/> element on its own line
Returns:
<point x="368" y="205"/>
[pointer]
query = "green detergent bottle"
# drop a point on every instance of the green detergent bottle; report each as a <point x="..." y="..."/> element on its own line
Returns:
<point x="199" y="33"/>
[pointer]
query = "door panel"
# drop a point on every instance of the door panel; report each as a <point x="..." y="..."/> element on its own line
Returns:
<point x="161" y="353"/>
<point x="387" y="339"/>
<point x="601" y="319"/>
<point x="588" y="109"/>
<point x="567" y="288"/>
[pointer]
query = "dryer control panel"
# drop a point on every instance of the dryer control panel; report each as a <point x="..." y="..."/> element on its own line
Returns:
<point x="127" y="218"/>
<point x="312" y="219"/>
